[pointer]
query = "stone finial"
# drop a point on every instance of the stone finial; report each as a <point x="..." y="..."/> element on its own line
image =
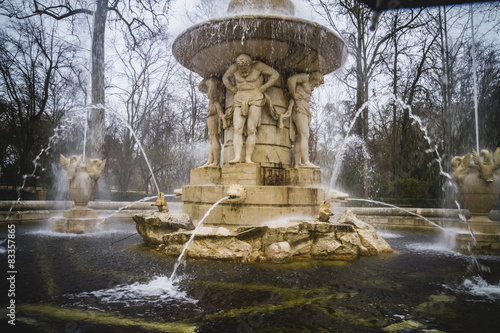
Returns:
<point x="161" y="203"/>
<point x="272" y="7"/>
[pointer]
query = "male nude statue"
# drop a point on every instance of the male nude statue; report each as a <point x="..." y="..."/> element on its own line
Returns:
<point x="248" y="100"/>
<point x="213" y="89"/>
<point x="300" y="87"/>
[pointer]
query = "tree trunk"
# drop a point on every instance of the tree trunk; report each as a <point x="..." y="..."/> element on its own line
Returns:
<point x="97" y="118"/>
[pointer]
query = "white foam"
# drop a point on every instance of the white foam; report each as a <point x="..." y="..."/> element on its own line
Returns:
<point x="477" y="286"/>
<point x="160" y="289"/>
<point x="388" y="234"/>
<point x="431" y="247"/>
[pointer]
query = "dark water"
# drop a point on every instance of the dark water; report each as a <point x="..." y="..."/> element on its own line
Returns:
<point x="88" y="284"/>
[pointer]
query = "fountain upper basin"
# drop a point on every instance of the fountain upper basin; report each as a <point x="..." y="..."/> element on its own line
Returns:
<point x="288" y="43"/>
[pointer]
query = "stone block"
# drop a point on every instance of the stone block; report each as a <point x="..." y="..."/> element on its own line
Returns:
<point x="241" y="173"/>
<point x="205" y="176"/>
<point x="298" y="196"/>
<point x="197" y="210"/>
<point x="191" y="193"/>
<point x="306" y="212"/>
<point x="211" y="194"/>
<point x="80" y="212"/>
<point x="79" y="225"/>
<point x="304" y="177"/>
<point x="215" y="216"/>
<point x="266" y="195"/>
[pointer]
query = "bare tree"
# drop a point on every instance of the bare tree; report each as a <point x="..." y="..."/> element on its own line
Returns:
<point x="33" y="67"/>
<point x="367" y="48"/>
<point x="134" y="16"/>
<point x="143" y="83"/>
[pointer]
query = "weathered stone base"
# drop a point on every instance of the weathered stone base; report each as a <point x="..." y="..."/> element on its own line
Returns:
<point x="153" y="226"/>
<point x="79" y="225"/>
<point x="80" y="212"/>
<point x="263" y="203"/>
<point x="79" y="220"/>
<point x="487" y="244"/>
<point x="481" y="223"/>
<point x="280" y="242"/>
<point x="486" y="233"/>
<point x="272" y="193"/>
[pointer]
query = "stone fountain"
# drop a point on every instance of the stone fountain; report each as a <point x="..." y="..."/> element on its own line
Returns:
<point x="259" y="67"/>
<point x="82" y="186"/>
<point x="478" y="181"/>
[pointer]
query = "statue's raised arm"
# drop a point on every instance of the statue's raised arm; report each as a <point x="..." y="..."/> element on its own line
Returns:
<point x="268" y="71"/>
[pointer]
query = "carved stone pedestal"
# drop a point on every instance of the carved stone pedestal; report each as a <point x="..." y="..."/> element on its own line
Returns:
<point x="79" y="220"/>
<point x="486" y="244"/>
<point x="209" y="176"/>
<point x="272" y="193"/>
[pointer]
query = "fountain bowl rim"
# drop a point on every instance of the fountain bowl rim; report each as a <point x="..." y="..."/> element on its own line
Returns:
<point x="181" y="46"/>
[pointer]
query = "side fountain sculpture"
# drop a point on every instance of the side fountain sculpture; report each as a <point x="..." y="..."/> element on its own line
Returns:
<point x="82" y="186"/>
<point x="259" y="67"/>
<point x="478" y="180"/>
<point x="161" y="203"/>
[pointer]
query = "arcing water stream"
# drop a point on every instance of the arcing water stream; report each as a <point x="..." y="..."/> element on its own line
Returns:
<point x="193" y="234"/>
<point x="394" y="206"/>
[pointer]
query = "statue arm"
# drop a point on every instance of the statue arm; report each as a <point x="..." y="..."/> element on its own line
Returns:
<point x="267" y="70"/>
<point x="226" y="79"/>
<point x="294" y="80"/>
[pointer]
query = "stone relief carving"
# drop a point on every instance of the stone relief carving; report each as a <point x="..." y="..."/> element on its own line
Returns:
<point x="461" y="166"/>
<point x="300" y="87"/>
<point x="486" y="167"/>
<point x="246" y="79"/>
<point x="94" y="167"/>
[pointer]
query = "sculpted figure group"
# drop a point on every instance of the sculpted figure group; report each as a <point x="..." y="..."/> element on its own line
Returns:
<point x="248" y="80"/>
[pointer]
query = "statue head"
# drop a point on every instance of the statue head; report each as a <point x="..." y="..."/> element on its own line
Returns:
<point x="316" y="79"/>
<point x="244" y="63"/>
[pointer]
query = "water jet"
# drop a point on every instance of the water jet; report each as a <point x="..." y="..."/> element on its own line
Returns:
<point x="259" y="66"/>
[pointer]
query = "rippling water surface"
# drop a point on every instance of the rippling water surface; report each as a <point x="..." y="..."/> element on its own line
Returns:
<point x="97" y="283"/>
